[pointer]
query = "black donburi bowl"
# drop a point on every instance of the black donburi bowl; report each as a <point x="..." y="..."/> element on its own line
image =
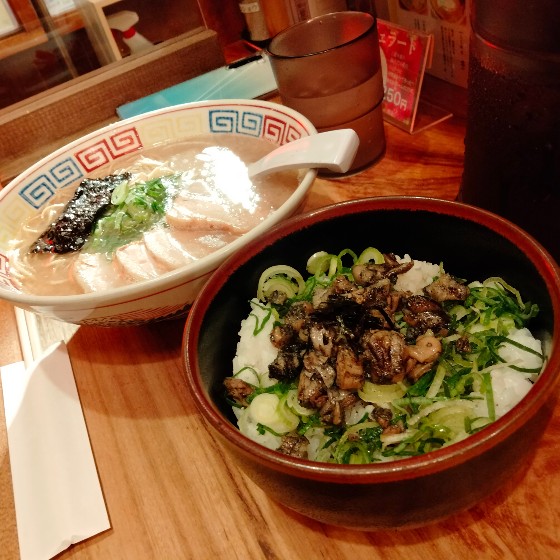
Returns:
<point x="472" y="244"/>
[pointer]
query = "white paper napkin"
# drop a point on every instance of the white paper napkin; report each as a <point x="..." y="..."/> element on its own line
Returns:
<point x="57" y="493"/>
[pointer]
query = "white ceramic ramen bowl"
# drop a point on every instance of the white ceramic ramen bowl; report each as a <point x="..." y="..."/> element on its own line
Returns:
<point x="171" y="294"/>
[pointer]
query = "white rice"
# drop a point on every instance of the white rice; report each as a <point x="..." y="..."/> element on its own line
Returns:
<point x="255" y="352"/>
<point x="515" y="356"/>
<point x="509" y="385"/>
<point x="418" y="277"/>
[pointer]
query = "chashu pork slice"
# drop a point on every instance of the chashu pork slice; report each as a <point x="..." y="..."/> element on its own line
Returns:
<point x="165" y="249"/>
<point x="94" y="272"/>
<point x="137" y="263"/>
<point x="200" y="243"/>
<point x="192" y="211"/>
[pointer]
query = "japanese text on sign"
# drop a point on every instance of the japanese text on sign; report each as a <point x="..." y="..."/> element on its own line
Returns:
<point x="406" y="55"/>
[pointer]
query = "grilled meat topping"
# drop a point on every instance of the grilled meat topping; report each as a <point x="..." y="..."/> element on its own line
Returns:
<point x="295" y="446"/>
<point x="369" y="273"/>
<point x="447" y="288"/>
<point x="384" y="353"/>
<point x="238" y="390"/>
<point x="423" y="314"/>
<point x="349" y="369"/>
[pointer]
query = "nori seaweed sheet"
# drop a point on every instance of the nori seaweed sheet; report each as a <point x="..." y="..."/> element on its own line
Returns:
<point x="72" y="228"/>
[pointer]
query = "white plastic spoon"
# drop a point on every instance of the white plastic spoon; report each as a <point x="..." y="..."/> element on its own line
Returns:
<point x="334" y="150"/>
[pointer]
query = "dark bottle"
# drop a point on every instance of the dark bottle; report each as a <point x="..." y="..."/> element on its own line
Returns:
<point x="512" y="143"/>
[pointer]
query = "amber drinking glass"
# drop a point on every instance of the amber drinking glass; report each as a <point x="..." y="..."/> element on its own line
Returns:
<point x="329" y="69"/>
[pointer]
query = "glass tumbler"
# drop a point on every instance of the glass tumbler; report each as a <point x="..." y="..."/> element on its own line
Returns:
<point x="329" y="69"/>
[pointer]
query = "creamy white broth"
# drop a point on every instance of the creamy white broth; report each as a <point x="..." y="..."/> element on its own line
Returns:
<point x="215" y="203"/>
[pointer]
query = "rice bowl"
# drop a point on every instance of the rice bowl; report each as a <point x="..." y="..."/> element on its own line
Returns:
<point x="414" y="491"/>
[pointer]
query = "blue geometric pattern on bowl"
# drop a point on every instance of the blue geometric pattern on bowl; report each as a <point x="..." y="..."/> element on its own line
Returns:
<point x="62" y="174"/>
<point x="234" y="121"/>
<point x="272" y="127"/>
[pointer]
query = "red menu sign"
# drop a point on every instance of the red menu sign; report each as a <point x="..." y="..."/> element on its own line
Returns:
<point x="404" y="56"/>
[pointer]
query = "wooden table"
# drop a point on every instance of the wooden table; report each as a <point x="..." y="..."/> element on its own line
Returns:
<point x="171" y="493"/>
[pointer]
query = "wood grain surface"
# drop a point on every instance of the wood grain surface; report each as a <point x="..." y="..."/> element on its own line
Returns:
<point x="172" y="494"/>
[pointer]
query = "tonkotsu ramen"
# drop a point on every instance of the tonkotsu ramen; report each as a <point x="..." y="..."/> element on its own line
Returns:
<point x="170" y="206"/>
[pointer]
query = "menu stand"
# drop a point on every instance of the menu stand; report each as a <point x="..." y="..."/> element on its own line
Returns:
<point x="405" y="55"/>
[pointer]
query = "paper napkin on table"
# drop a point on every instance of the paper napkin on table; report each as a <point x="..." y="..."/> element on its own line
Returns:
<point x="57" y="494"/>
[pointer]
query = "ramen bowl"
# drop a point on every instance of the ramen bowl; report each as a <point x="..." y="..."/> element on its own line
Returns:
<point x="170" y="294"/>
<point x="408" y="492"/>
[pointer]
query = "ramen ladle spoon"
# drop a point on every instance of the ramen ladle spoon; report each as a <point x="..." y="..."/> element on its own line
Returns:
<point x="334" y="150"/>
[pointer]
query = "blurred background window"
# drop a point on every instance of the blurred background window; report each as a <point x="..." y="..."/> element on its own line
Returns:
<point x="45" y="43"/>
<point x="8" y="21"/>
<point x="57" y="7"/>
